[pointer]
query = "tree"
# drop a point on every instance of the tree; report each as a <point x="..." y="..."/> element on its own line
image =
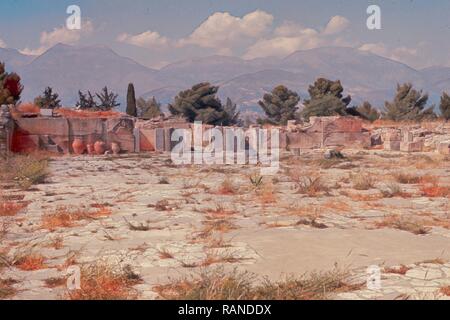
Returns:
<point x="86" y="101"/>
<point x="10" y="86"/>
<point x="48" y="100"/>
<point x="326" y="99"/>
<point x="232" y="115"/>
<point x="366" y="111"/>
<point x="408" y="104"/>
<point x="445" y="106"/>
<point x="200" y="104"/>
<point x="108" y="100"/>
<point x="280" y="105"/>
<point x="148" y="109"/>
<point x="131" y="101"/>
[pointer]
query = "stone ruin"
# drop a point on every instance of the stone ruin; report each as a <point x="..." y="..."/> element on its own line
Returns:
<point x="58" y="134"/>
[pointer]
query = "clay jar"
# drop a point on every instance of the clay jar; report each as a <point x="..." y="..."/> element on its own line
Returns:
<point x="78" y="146"/>
<point x="99" y="147"/>
<point x="115" y="148"/>
<point x="90" y="148"/>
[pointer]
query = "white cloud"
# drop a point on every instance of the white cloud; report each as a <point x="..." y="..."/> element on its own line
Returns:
<point x="290" y="37"/>
<point x="2" y="44"/>
<point x="222" y="30"/>
<point x="283" y="46"/>
<point x="60" y="35"/>
<point x="375" y="48"/>
<point x="148" y="39"/>
<point x="403" y="54"/>
<point x="336" y="25"/>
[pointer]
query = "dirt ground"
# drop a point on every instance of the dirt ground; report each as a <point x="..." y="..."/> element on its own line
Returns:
<point x="160" y="220"/>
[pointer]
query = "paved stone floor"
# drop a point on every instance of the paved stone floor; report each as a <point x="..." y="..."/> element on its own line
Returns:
<point x="167" y="220"/>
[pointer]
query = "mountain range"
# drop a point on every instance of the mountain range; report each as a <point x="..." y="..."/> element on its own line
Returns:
<point x="365" y="76"/>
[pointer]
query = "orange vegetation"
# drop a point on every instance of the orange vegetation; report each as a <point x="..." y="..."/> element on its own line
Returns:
<point x="30" y="262"/>
<point x="70" y="113"/>
<point x="9" y="209"/>
<point x="64" y="217"/>
<point x="28" y="107"/>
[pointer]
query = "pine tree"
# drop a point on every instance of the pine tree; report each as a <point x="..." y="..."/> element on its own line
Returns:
<point x="200" y="104"/>
<point x="366" y="111"/>
<point x="445" y="106"/>
<point x="10" y="87"/>
<point x="48" y="100"/>
<point x="280" y="105"/>
<point x="108" y="100"/>
<point x="232" y="115"/>
<point x="131" y="101"/>
<point x="326" y="99"/>
<point x="86" y="101"/>
<point x="148" y="109"/>
<point x="408" y="105"/>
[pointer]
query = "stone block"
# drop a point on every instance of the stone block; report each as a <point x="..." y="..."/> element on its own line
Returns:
<point x="443" y="147"/>
<point x="416" y="146"/>
<point x="392" y="145"/>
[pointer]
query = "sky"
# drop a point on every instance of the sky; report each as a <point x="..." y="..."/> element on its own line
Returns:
<point x="156" y="33"/>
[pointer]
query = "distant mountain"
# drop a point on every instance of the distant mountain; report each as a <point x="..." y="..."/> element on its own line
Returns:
<point x="14" y="59"/>
<point x="68" y="69"/>
<point x="437" y="78"/>
<point x="365" y="76"/>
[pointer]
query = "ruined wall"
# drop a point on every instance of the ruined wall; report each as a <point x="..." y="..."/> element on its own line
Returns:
<point x="6" y="130"/>
<point x="323" y="132"/>
<point x="58" y="134"/>
<point x="426" y="136"/>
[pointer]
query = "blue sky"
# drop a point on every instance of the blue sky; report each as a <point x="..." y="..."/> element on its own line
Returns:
<point x="159" y="32"/>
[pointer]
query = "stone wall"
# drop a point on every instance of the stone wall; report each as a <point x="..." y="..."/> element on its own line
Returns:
<point x="58" y="134"/>
<point x="6" y="130"/>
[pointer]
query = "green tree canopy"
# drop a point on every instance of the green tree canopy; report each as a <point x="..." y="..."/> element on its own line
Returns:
<point x="326" y="99"/>
<point x="201" y="104"/>
<point x="366" y="111"/>
<point x="48" y="100"/>
<point x="444" y="106"/>
<point x="131" y="101"/>
<point x="280" y="105"/>
<point x="10" y="87"/>
<point x="408" y="104"/>
<point x="148" y="109"/>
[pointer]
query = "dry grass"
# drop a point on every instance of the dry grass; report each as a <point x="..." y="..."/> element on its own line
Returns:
<point x="227" y="187"/>
<point x="103" y="282"/>
<point x="219" y="211"/>
<point x="362" y="181"/>
<point x="55" y="282"/>
<point x="336" y="205"/>
<point x="435" y="191"/>
<point x="71" y="113"/>
<point x="28" y="107"/>
<point x="65" y="217"/>
<point x="401" y="223"/>
<point x="30" y="262"/>
<point x="6" y="288"/>
<point x="394" y="190"/>
<point x="165" y="254"/>
<point x="25" y="170"/>
<point x="214" y="257"/>
<point x="407" y="178"/>
<point x="10" y="209"/>
<point x="218" y="225"/>
<point x="267" y="194"/>
<point x="445" y="291"/>
<point x="309" y="185"/>
<point x="397" y="270"/>
<point x="220" y="285"/>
